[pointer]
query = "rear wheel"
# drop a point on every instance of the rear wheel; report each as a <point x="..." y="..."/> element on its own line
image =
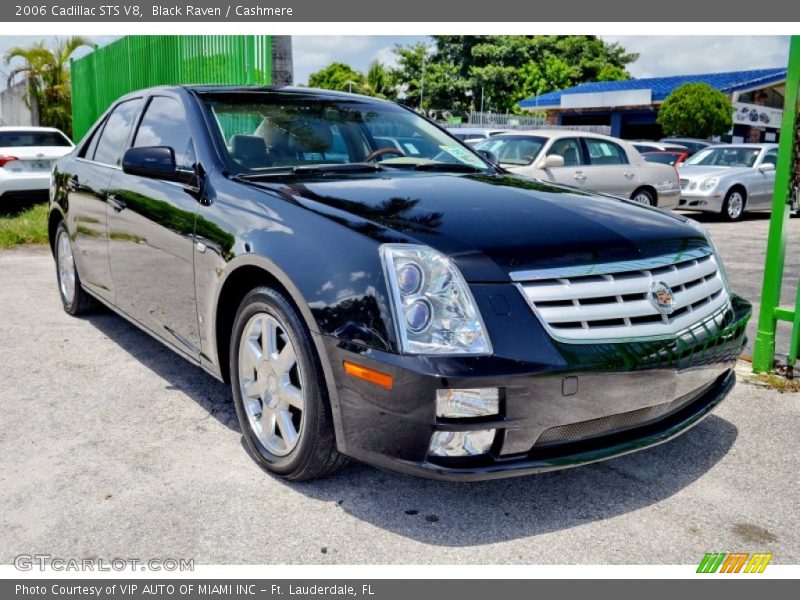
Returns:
<point x="733" y="206"/>
<point x="643" y="196"/>
<point x="279" y="391"/>
<point x="75" y="299"/>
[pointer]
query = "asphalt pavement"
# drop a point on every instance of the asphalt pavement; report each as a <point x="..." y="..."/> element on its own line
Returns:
<point x="113" y="446"/>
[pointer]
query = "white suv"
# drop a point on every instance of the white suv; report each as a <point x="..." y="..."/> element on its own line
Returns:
<point x="27" y="155"/>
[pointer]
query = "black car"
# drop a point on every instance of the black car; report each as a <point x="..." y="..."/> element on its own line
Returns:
<point x="406" y="302"/>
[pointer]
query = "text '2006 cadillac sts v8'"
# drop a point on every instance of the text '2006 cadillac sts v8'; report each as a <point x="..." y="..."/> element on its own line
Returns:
<point x="373" y="288"/>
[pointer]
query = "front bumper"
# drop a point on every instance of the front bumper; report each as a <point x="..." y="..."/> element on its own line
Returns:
<point x="597" y="402"/>
<point x="701" y="202"/>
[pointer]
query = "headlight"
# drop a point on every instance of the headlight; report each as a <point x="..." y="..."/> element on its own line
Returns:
<point x="433" y="307"/>
<point x="701" y="228"/>
<point x="709" y="184"/>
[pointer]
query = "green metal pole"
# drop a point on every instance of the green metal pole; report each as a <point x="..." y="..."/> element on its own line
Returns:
<point x="764" y="350"/>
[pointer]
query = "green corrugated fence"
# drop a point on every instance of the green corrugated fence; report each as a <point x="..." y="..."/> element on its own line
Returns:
<point x="140" y="61"/>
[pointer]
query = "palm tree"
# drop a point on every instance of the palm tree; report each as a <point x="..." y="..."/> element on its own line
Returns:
<point x="378" y="81"/>
<point x="46" y="72"/>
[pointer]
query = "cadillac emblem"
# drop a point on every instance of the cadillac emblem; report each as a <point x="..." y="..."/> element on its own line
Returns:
<point x="661" y="297"/>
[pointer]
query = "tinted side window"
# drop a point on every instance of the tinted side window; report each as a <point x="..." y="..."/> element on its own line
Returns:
<point x="570" y="149"/>
<point x="90" y="148"/>
<point x="111" y="144"/>
<point x="602" y="152"/>
<point x="164" y="124"/>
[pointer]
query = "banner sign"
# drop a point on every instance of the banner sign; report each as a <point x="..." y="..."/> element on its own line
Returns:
<point x="756" y="115"/>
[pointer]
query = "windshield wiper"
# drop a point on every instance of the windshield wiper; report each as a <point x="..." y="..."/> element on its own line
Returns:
<point x="359" y="167"/>
<point x="441" y="166"/>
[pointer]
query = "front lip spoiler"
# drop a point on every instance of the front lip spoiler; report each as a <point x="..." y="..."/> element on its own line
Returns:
<point x="587" y="452"/>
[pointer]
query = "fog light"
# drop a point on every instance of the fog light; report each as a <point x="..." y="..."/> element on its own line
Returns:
<point x="461" y="443"/>
<point x="479" y="402"/>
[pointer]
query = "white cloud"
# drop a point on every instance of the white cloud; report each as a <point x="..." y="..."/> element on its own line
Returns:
<point x="687" y="55"/>
<point x="318" y="51"/>
<point x="387" y="56"/>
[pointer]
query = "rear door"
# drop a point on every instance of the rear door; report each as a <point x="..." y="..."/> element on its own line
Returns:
<point x="151" y="234"/>
<point x="88" y="194"/>
<point x="608" y="169"/>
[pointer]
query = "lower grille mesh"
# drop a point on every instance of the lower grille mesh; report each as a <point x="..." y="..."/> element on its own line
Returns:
<point x="582" y="430"/>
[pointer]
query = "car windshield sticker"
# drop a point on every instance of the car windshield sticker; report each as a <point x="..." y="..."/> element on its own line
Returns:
<point x="464" y="156"/>
<point x="410" y="148"/>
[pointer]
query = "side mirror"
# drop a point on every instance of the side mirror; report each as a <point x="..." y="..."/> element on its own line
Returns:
<point x="766" y="167"/>
<point x="155" y="162"/>
<point x="490" y="156"/>
<point x="551" y="161"/>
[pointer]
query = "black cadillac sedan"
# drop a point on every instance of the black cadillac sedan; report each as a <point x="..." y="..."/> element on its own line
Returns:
<point x="373" y="288"/>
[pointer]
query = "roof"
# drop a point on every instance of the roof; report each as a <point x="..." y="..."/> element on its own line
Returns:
<point x="27" y="128"/>
<point x="557" y="134"/>
<point x="662" y="87"/>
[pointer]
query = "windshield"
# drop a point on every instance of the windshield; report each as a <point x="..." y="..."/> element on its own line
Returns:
<point x="725" y="156"/>
<point x="517" y="150"/>
<point x="266" y="133"/>
<point x="23" y="138"/>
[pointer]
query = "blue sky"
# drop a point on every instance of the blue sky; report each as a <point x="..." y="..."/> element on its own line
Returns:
<point x="660" y="55"/>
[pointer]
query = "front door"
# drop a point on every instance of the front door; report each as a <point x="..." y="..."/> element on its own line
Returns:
<point x="151" y="234"/>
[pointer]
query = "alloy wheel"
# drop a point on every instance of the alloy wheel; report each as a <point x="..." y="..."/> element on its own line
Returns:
<point x="271" y="384"/>
<point x="643" y="198"/>
<point x="735" y="205"/>
<point x="66" y="267"/>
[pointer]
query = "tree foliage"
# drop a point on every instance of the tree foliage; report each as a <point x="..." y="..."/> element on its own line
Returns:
<point x="463" y="72"/>
<point x="46" y="72"/>
<point x="338" y="76"/>
<point x="696" y="110"/>
<point x="501" y="70"/>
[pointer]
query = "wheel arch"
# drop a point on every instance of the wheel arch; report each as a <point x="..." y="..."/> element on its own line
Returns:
<point x="741" y="187"/>
<point x="648" y="188"/>
<point x="54" y="218"/>
<point x="244" y="274"/>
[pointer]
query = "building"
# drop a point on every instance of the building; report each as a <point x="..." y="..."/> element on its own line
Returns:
<point x="18" y="106"/>
<point x="630" y="107"/>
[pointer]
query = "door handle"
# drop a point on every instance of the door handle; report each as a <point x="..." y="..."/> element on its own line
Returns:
<point x="628" y="174"/>
<point x="580" y="176"/>
<point x="117" y="203"/>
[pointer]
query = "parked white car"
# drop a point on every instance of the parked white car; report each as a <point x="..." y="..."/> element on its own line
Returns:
<point x="588" y="160"/>
<point x="474" y="135"/>
<point x="729" y="180"/>
<point x="27" y="155"/>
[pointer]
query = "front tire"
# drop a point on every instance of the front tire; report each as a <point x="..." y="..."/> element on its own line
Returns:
<point x="279" y="390"/>
<point x="75" y="299"/>
<point x="733" y="206"/>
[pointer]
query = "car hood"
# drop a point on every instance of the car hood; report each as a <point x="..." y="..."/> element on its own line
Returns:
<point x="493" y="225"/>
<point x="690" y="172"/>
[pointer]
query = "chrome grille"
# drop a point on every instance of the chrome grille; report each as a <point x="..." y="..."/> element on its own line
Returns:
<point x="684" y="183"/>
<point x="573" y="432"/>
<point x="611" y="302"/>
